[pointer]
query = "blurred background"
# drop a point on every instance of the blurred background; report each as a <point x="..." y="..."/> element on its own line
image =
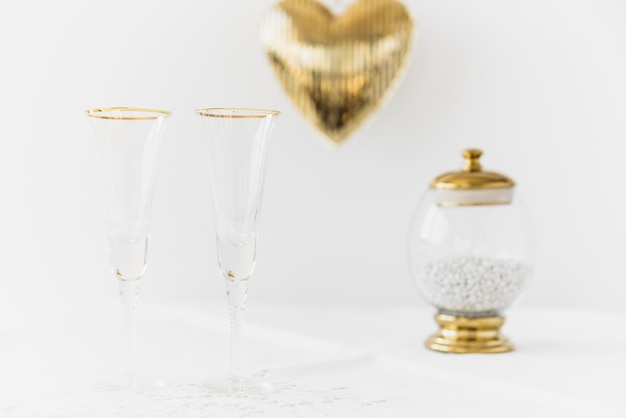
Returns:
<point x="538" y="85"/>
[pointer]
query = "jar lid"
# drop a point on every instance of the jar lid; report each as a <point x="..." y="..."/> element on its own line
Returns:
<point x="472" y="176"/>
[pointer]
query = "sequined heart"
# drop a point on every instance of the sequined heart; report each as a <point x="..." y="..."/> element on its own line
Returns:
<point x="338" y="69"/>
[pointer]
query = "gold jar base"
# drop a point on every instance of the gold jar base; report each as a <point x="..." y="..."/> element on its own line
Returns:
<point x="462" y="335"/>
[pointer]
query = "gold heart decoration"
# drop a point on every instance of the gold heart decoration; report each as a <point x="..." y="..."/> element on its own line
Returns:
<point x="338" y="69"/>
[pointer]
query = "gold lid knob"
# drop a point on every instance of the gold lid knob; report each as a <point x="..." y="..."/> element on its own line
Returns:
<point x="472" y="176"/>
<point x="471" y="160"/>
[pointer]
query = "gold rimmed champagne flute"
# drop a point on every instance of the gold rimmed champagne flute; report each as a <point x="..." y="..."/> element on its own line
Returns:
<point x="238" y="141"/>
<point x="128" y="141"/>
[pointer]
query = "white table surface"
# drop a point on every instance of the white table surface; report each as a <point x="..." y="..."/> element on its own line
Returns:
<point x="340" y="362"/>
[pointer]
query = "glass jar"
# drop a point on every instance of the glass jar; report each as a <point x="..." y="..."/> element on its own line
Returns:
<point x="470" y="252"/>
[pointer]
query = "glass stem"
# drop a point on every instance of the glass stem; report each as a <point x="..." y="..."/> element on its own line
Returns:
<point x="129" y="295"/>
<point x="237" y="292"/>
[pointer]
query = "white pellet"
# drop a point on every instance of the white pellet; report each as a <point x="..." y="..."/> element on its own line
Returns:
<point x="472" y="285"/>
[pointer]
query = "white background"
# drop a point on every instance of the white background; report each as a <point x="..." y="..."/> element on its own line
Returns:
<point x="540" y="86"/>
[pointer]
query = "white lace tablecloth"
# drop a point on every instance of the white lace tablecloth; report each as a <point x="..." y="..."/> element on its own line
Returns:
<point x="324" y="362"/>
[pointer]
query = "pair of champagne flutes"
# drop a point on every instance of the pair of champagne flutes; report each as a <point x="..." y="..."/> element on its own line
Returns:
<point x="238" y="142"/>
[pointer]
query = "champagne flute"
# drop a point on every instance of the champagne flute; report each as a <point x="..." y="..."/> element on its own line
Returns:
<point x="128" y="140"/>
<point x="238" y="142"/>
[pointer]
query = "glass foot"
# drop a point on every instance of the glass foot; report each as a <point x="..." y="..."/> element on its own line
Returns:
<point x="131" y="384"/>
<point x="260" y="383"/>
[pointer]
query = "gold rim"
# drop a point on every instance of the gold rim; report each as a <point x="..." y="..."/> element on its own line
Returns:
<point x="464" y="204"/>
<point x="102" y="113"/>
<point x="230" y="112"/>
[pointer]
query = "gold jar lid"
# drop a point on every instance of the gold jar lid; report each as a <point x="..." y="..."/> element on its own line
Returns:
<point x="472" y="176"/>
